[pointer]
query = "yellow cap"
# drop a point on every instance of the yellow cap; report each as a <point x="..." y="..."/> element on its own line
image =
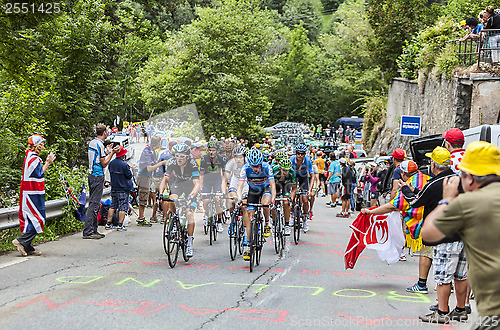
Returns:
<point x="440" y="156"/>
<point x="481" y="158"/>
<point x="462" y="23"/>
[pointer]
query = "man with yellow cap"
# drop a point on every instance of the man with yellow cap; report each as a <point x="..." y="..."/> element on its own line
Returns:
<point x="448" y="257"/>
<point x="474" y="216"/>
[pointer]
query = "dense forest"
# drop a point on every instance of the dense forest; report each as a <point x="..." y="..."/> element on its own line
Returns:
<point x="313" y="61"/>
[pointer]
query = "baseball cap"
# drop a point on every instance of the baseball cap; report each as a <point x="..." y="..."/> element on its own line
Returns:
<point x="454" y="135"/>
<point x="398" y="154"/>
<point x="35" y="139"/>
<point x="440" y="156"/>
<point x="481" y="158"/>
<point x="342" y="160"/>
<point x="408" y="166"/>
<point x="121" y="152"/>
<point x="462" y="23"/>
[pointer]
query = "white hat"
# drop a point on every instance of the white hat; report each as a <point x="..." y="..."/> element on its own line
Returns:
<point x="342" y="160"/>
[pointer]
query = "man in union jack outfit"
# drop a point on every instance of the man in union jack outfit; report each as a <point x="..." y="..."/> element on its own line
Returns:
<point x="32" y="196"/>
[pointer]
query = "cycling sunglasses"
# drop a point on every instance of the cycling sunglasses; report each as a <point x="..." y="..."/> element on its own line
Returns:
<point x="301" y="153"/>
<point x="181" y="156"/>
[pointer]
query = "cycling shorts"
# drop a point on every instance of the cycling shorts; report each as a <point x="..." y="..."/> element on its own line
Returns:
<point x="284" y="188"/>
<point x="181" y="188"/>
<point x="303" y="183"/>
<point x="211" y="187"/>
<point x="254" y="196"/>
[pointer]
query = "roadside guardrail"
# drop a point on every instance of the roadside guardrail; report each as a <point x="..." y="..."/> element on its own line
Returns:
<point x="9" y="217"/>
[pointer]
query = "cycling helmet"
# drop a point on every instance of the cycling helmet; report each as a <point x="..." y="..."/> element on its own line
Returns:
<point x="286" y="163"/>
<point x="182" y="148"/>
<point x="265" y="153"/>
<point x="279" y="155"/>
<point x="239" y="151"/>
<point x="301" y="147"/>
<point x="255" y="157"/>
<point x="212" y="144"/>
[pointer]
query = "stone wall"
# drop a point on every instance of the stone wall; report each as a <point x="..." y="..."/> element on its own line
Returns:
<point x="441" y="103"/>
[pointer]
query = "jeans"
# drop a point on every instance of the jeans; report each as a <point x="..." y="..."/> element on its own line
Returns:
<point x="26" y="239"/>
<point x="352" y="196"/>
<point x="96" y="186"/>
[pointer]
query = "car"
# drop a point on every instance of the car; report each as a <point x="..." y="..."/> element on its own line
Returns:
<point x="420" y="146"/>
<point x="124" y="141"/>
<point x="488" y="133"/>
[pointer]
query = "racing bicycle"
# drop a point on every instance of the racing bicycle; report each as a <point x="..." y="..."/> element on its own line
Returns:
<point x="175" y="232"/>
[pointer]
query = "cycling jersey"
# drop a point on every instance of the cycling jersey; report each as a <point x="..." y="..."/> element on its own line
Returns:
<point x="290" y="177"/>
<point x="257" y="181"/>
<point x="234" y="171"/>
<point x="173" y="171"/>
<point x="306" y="167"/>
<point x="212" y="171"/>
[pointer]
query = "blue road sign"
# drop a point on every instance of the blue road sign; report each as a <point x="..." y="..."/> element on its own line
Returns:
<point x="410" y="125"/>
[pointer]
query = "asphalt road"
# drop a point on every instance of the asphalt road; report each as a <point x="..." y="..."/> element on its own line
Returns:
<point x="124" y="281"/>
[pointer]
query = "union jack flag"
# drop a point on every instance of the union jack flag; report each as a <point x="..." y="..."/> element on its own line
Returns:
<point x="32" y="195"/>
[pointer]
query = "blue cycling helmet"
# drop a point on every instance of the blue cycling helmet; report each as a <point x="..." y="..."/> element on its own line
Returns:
<point x="255" y="157"/>
<point x="182" y="148"/>
<point x="301" y="147"/>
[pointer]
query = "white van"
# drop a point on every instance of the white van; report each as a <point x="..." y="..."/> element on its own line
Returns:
<point x="124" y="141"/>
<point x="488" y="133"/>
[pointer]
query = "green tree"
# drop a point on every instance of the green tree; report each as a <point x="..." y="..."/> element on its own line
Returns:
<point x="221" y="63"/>
<point x="306" y="11"/>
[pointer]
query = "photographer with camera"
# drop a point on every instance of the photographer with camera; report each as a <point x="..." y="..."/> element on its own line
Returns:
<point x="371" y="175"/>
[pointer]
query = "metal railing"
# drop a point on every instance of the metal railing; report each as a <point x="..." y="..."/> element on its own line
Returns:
<point x="9" y="217"/>
<point x="485" y="49"/>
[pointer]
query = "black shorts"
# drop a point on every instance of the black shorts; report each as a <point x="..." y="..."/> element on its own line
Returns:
<point x="347" y="192"/>
<point x="179" y="188"/>
<point x="303" y="183"/>
<point x="322" y="177"/>
<point x="283" y="188"/>
<point x="254" y="196"/>
<point x="119" y="200"/>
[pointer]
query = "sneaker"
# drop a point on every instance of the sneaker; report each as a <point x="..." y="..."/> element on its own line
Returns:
<point x="246" y="254"/>
<point x="100" y="234"/>
<point x="340" y="215"/>
<point x="219" y="227"/>
<point x="162" y="221"/>
<point x="121" y="228"/>
<point x="20" y="247"/>
<point x="305" y="226"/>
<point x="189" y="251"/>
<point x="92" y="236"/>
<point x="267" y="231"/>
<point x="35" y="253"/>
<point x="417" y="288"/>
<point x="468" y="309"/>
<point x="288" y="230"/>
<point x="245" y="241"/>
<point x="143" y="223"/>
<point x="458" y="316"/>
<point x="328" y="203"/>
<point x="434" y="317"/>
<point x="109" y="226"/>
<point x="153" y="220"/>
<point x="402" y="258"/>
<point x="333" y="205"/>
<point x="434" y="307"/>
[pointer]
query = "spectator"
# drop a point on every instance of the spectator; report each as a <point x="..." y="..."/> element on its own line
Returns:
<point x="32" y="196"/>
<point x="340" y="135"/>
<point x="157" y="179"/>
<point x="474" y="217"/>
<point x="334" y="180"/>
<point x="350" y="152"/>
<point x="493" y="22"/>
<point x="454" y="142"/>
<point x="121" y="177"/>
<point x="475" y="29"/>
<point x="98" y="160"/>
<point x="371" y="177"/>
<point x="320" y="163"/>
<point x="147" y="164"/>
<point x="347" y="134"/>
<point x="347" y="179"/>
<point x="395" y="171"/>
<point x="138" y="132"/>
<point x="448" y="257"/>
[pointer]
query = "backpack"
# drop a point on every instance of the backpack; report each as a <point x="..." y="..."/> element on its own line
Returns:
<point x="387" y="182"/>
<point x="102" y="215"/>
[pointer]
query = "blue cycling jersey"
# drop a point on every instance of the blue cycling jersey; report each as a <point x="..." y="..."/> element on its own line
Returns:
<point x="257" y="181"/>
<point x="306" y="167"/>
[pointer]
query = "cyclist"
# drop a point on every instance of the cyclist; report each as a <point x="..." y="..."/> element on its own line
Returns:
<point x="304" y="172"/>
<point x="211" y="171"/>
<point x="262" y="189"/>
<point x="183" y="178"/>
<point x="232" y="175"/>
<point x="284" y="176"/>
<point x="280" y="154"/>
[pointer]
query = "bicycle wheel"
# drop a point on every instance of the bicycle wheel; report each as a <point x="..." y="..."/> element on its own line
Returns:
<point x="282" y="236"/>
<point x="277" y="230"/>
<point x="260" y="243"/>
<point x="233" y="236"/>
<point x="184" y="244"/>
<point x="210" y="229"/>
<point x="254" y="232"/>
<point x="241" y="232"/>
<point x="296" y="224"/>
<point x="173" y="240"/>
<point x="165" y="232"/>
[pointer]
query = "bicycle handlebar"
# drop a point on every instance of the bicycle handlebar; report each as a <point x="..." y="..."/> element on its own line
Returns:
<point x="255" y="205"/>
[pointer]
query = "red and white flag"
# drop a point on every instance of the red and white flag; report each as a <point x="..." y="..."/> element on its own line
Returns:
<point x="379" y="232"/>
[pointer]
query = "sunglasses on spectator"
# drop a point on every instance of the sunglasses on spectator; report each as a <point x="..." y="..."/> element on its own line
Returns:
<point x="181" y="156"/>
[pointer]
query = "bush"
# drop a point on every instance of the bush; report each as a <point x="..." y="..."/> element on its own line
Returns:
<point x="447" y="62"/>
<point x="406" y="62"/>
<point x="374" y="110"/>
